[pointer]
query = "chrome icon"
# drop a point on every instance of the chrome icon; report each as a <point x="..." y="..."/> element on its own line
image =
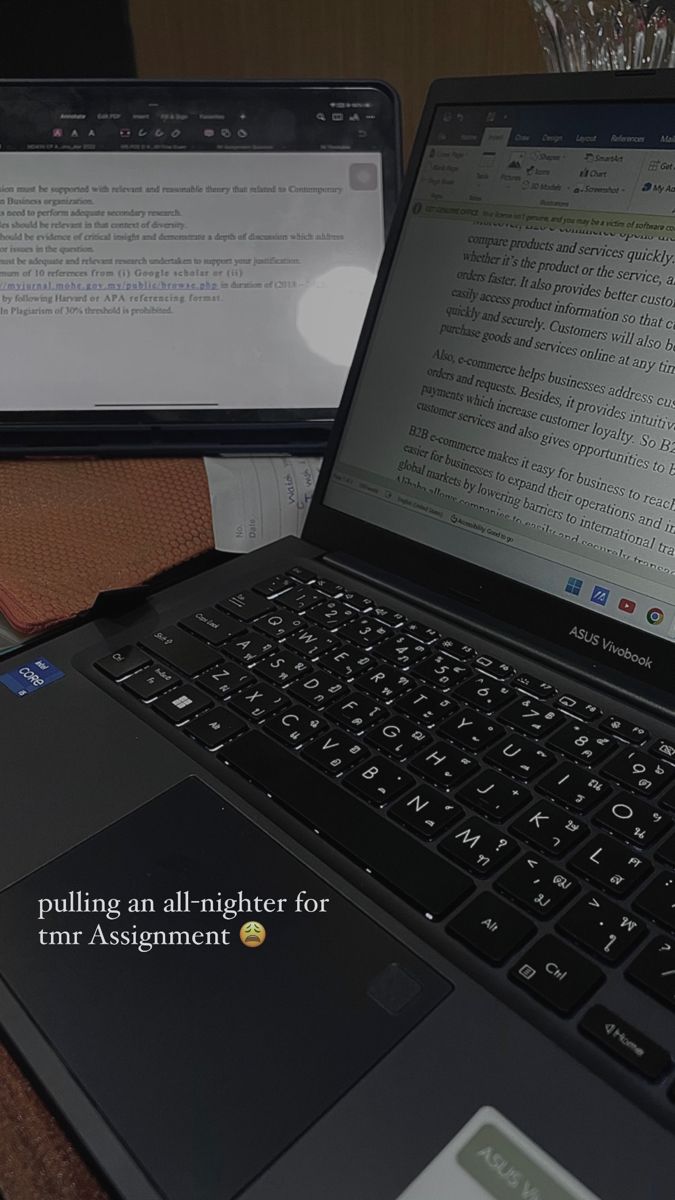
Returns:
<point x="655" y="616"/>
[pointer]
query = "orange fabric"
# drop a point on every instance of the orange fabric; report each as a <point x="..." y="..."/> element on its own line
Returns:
<point x="72" y="529"/>
<point x="36" y="1160"/>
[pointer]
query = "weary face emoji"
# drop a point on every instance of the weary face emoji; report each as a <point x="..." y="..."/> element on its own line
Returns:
<point x="252" y="934"/>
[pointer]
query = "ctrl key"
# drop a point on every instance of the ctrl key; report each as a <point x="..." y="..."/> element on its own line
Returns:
<point x="556" y="975"/>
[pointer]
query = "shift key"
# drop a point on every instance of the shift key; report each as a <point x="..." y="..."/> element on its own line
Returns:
<point x="181" y="651"/>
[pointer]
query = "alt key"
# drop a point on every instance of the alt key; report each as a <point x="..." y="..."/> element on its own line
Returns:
<point x="556" y="975"/>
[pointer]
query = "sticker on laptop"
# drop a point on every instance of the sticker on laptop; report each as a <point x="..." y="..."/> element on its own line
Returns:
<point x="29" y="678"/>
<point x="489" y="1159"/>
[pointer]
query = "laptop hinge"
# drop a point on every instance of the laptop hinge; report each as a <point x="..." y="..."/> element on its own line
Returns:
<point x="462" y="609"/>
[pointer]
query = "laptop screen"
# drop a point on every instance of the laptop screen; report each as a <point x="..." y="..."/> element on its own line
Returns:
<point x="201" y="247"/>
<point x="516" y="403"/>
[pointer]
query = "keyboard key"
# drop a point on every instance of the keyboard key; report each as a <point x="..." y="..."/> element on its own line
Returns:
<point x="181" y="704"/>
<point x="245" y="605"/>
<point x="456" y="650"/>
<point x="658" y="900"/>
<point x="357" y="712"/>
<point x="537" y="885"/>
<point x="579" y="708"/>
<point x="654" y="970"/>
<point x="274" y="586"/>
<point x="379" y="781"/>
<point x="479" y="846"/>
<point x="666" y="852"/>
<point x="486" y="694"/>
<point x="426" y="706"/>
<point x="535" y="687"/>
<point x="366" y="632"/>
<point x="423" y="633"/>
<point x="600" y="926"/>
<point x="520" y="757"/>
<point x="258" y="700"/>
<point x="331" y="614"/>
<point x="388" y="616"/>
<point x="423" y="877"/>
<point x="634" y="819"/>
<point x="359" y="603"/>
<point x="472" y="730"/>
<point x="441" y="672"/>
<point x="249" y="647"/>
<point x="575" y="788"/>
<point x="122" y="662"/>
<point x="302" y="573"/>
<point x="625" y="730"/>
<point x="225" y="678"/>
<point x="311" y="642"/>
<point x="493" y="667"/>
<point x="283" y="667"/>
<point x="317" y="688"/>
<point x="582" y="743"/>
<point x="145" y="685"/>
<point x="610" y="865"/>
<point x="531" y="716"/>
<point x="556" y="975"/>
<point x="549" y="829"/>
<point x="494" y="795"/>
<point x="346" y="661"/>
<point x="443" y="764"/>
<point x="399" y="738"/>
<point x="212" y="626"/>
<point x="181" y="651"/>
<point x="402" y="650"/>
<point x="214" y="727"/>
<point x="335" y="752"/>
<point x="295" y="726"/>
<point x="625" y="1043"/>
<point x="491" y="928"/>
<point x="386" y="683"/>
<point x="426" y="811"/>
<point x="640" y="771"/>
<point x="300" y="599"/>
<point x="664" y="749"/>
<point x="278" y="624"/>
<point x="328" y="587"/>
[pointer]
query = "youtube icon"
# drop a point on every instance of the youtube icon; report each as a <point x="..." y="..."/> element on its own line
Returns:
<point x="627" y="606"/>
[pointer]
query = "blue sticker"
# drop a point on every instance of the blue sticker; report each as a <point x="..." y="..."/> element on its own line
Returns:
<point x="31" y="677"/>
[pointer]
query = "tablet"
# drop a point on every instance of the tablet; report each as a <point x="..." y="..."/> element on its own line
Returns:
<point x="184" y="267"/>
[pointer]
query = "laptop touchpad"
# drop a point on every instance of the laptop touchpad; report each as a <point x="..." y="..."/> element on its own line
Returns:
<point x="208" y="1055"/>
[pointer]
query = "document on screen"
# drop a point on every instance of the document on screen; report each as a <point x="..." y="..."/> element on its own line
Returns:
<point x="198" y="281"/>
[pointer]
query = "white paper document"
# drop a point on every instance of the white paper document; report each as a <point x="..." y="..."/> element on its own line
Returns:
<point x="255" y="501"/>
<point x="9" y="638"/>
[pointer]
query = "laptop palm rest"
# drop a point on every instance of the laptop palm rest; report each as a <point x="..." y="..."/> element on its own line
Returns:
<point x="207" y="1060"/>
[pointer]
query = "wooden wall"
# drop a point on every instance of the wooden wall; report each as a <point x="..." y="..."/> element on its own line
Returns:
<point x="407" y="42"/>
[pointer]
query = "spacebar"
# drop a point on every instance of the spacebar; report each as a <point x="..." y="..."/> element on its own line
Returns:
<point x="392" y="855"/>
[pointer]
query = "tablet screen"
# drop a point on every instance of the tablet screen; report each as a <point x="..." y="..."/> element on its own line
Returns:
<point x="205" y="248"/>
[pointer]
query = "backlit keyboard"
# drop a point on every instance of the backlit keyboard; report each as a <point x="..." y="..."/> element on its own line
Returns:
<point x="440" y="770"/>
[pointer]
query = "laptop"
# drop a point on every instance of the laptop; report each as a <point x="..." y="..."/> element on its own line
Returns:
<point x="348" y="869"/>
<point x="193" y="259"/>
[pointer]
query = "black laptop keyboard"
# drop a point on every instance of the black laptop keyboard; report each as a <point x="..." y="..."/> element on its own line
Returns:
<point x="439" y="769"/>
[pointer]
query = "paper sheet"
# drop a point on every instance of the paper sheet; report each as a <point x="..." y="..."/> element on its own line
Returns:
<point x="255" y="501"/>
<point x="9" y="638"/>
